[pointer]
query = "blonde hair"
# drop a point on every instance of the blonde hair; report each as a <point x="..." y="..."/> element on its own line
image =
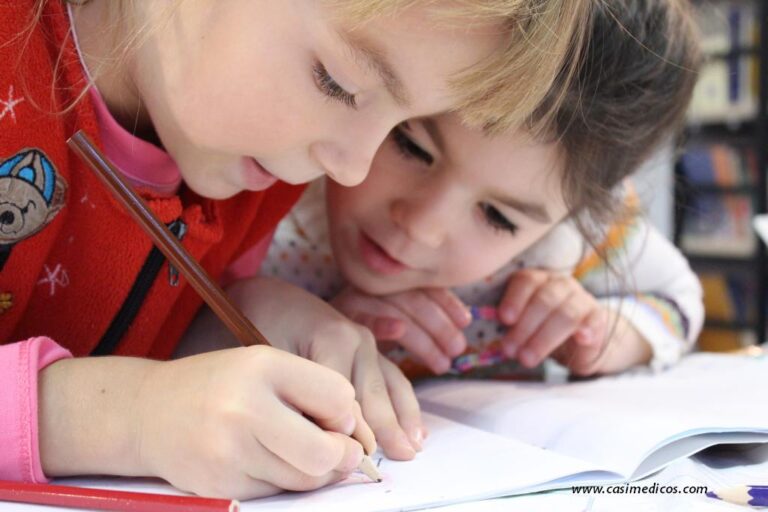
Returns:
<point x="535" y="63"/>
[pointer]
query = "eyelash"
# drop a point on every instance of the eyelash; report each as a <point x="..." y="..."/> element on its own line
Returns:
<point x="409" y="149"/>
<point x="496" y="219"/>
<point x="330" y="88"/>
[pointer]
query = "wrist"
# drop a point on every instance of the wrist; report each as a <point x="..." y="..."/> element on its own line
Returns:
<point x="90" y="416"/>
<point x="626" y="348"/>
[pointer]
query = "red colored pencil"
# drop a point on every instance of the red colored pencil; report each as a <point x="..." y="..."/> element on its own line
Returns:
<point x="103" y="499"/>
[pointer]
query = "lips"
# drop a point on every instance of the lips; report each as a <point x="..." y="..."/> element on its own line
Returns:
<point x="256" y="177"/>
<point x="377" y="259"/>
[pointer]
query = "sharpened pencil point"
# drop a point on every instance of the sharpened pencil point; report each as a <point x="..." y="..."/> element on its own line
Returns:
<point x="368" y="468"/>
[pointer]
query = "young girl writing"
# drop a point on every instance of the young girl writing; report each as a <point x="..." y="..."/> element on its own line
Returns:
<point x="446" y="206"/>
<point x="207" y="106"/>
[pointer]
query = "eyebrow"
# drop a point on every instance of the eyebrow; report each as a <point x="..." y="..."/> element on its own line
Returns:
<point x="366" y="52"/>
<point x="533" y="211"/>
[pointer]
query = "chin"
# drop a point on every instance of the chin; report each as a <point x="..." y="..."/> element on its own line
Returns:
<point x="375" y="285"/>
<point x="218" y="191"/>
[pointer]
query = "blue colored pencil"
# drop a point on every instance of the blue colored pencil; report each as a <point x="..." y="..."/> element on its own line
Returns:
<point x="484" y="313"/>
<point x="752" y="495"/>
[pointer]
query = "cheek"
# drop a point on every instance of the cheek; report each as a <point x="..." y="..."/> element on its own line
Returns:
<point x="486" y="253"/>
<point x="243" y="115"/>
<point x="242" y="91"/>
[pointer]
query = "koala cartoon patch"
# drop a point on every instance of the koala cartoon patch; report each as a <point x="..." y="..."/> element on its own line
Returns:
<point x="31" y="194"/>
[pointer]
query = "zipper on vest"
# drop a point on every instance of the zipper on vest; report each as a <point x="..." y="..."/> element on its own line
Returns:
<point x="135" y="298"/>
<point x="173" y="272"/>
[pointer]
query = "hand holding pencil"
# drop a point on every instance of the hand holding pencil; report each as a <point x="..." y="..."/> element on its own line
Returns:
<point x="239" y="423"/>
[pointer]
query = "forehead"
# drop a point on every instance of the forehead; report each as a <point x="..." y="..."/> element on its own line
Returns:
<point x="426" y="50"/>
<point x="512" y="158"/>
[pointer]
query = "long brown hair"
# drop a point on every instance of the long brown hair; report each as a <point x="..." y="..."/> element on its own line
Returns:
<point x="635" y="79"/>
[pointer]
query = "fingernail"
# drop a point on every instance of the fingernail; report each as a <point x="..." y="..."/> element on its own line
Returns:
<point x="458" y="344"/>
<point x="508" y="315"/>
<point x="442" y="366"/>
<point x="527" y="357"/>
<point x="585" y="335"/>
<point x="510" y="349"/>
<point x="348" y="425"/>
<point x="466" y="317"/>
<point x="416" y="438"/>
<point x="403" y="440"/>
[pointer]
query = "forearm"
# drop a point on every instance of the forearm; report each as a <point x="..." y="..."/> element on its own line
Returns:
<point x="89" y="412"/>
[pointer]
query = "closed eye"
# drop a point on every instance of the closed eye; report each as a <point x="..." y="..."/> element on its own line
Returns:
<point x="31" y="203"/>
<point x="408" y="148"/>
<point x="328" y="86"/>
<point x="496" y="219"/>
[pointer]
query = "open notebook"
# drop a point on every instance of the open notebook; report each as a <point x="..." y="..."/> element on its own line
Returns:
<point x="491" y="439"/>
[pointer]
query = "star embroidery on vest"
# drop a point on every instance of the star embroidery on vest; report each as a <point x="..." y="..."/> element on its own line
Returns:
<point x="9" y="105"/>
<point x="86" y="199"/>
<point x="56" y="277"/>
<point x="6" y="302"/>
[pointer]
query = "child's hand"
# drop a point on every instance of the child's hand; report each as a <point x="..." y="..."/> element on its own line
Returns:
<point x="232" y="423"/>
<point x="237" y="423"/>
<point x="552" y="314"/>
<point x="618" y="347"/>
<point x="427" y="322"/>
<point x="301" y="323"/>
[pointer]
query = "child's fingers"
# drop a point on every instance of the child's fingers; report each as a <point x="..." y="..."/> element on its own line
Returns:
<point x="421" y="345"/>
<point x="341" y="356"/>
<point x="363" y="432"/>
<point x="453" y="306"/>
<point x="325" y="396"/>
<point x="559" y="326"/>
<point x="541" y="305"/>
<point x="590" y="343"/>
<point x="432" y="319"/>
<point x="404" y="402"/>
<point x="376" y="402"/>
<point x="301" y="443"/>
<point x="325" y="392"/>
<point x="267" y="469"/>
<point x="386" y="322"/>
<point x="521" y="287"/>
<point x="383" y="328"/>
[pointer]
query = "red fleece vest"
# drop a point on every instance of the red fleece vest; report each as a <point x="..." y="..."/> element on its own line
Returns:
<point x="73" y="265"/>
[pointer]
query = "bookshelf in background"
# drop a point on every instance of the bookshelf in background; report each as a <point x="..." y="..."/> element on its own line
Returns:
<point x="721" y="180"/>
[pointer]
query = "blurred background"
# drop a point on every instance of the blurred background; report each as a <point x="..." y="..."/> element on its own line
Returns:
<point x="704" y="190"/>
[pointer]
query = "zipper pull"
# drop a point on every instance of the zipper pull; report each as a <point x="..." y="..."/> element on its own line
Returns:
<point x="178" y="228"/>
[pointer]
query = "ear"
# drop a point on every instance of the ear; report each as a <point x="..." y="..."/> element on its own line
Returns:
<point x="59" y="198"/>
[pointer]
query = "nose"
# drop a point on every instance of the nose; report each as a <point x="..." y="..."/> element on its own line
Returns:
<point x="7" y="217"/>
<point x="347" y="157"/>
<point x="426" y="218"/>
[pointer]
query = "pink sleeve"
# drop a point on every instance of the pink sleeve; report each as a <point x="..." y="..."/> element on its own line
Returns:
<point x="19" y="366"/>
<point x="247" y="265"/>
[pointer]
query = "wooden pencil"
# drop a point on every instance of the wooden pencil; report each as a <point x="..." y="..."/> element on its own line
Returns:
<point x="104" y="499"/>
<point x="170" y="246"/>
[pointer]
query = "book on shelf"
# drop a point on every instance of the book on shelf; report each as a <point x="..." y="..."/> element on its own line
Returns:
<point x="727" y="296"/>
<point x="718" y="224"/>
<point x="727" y="87"/>
<point x="725" y="165"/>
